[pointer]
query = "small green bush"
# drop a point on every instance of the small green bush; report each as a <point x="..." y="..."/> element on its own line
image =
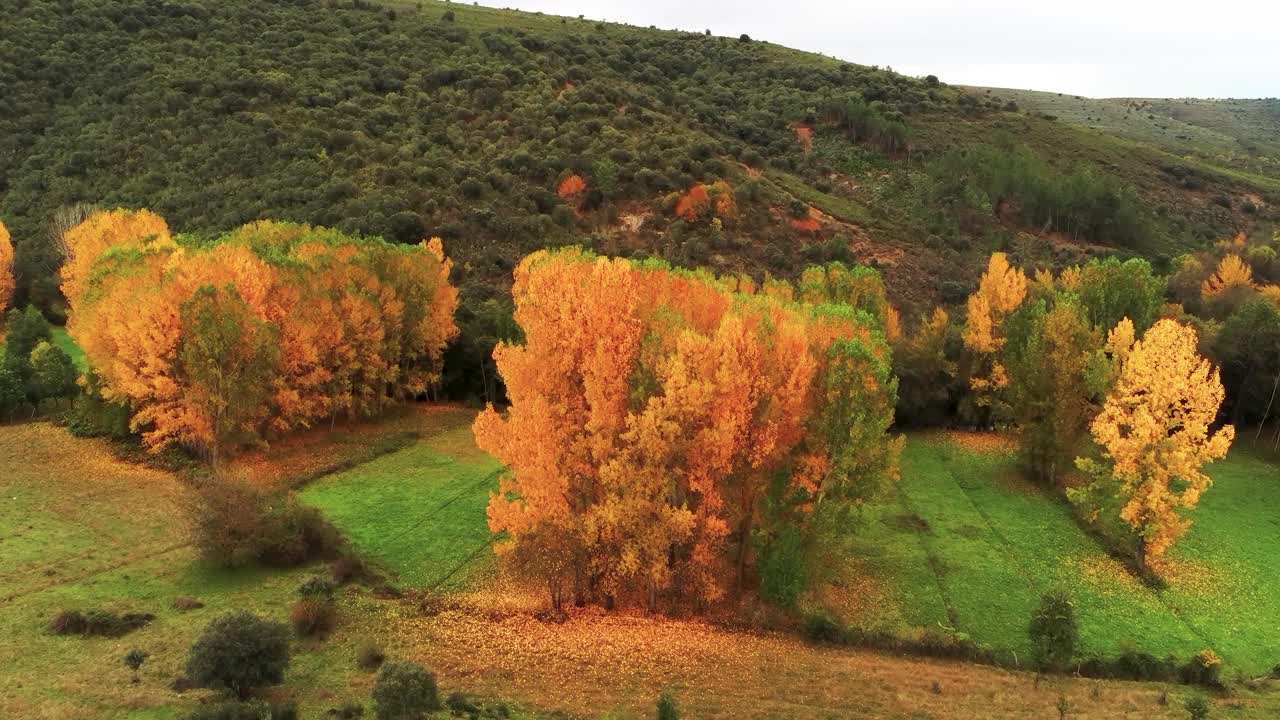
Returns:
<point x="667" y="707"/>
<point x="239" y="652"/>
<point x="405" y="691"/>
<point x="459" y="704"/>
<point x="134" y="659"/>
<point x="369" y="655"/>
<point x="312" y="616"/>
<point x="1053" y="631"/>
<point x="1197" y="708"/>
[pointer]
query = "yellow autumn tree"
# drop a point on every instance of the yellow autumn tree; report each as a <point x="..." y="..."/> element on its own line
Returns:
<point x="1271" y="293"/>
<point x="1000" y="292"/>
<point x="1232" y="272"/>
<point x="1155" y="434"/>
<point x="6" y="270"/>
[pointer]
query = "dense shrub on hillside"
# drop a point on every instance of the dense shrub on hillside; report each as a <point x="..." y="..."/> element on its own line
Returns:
<point x="239" y="652"/>
<point x="404" y="691"/>
<point x="430" y="121"/>
<point x="1081" y="201"/>
<point x="269" y="328"/>
<point x="312" y="616"/>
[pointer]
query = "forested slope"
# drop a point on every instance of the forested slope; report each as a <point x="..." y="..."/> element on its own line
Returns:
<point x="503" y="132"/>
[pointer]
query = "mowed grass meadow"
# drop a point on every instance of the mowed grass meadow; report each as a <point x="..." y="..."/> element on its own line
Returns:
<point x="965" y="542"/>
<point x="418" y="513"/>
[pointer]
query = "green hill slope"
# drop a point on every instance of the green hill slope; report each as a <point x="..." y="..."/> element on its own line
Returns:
<point x="441" y="119"/>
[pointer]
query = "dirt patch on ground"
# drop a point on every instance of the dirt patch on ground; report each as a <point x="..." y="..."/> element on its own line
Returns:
<point x="804" y="134"/>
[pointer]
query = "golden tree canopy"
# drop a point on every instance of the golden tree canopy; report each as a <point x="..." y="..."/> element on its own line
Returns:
<point x="1232" y="272"/>
<point x="1156" y="430"/>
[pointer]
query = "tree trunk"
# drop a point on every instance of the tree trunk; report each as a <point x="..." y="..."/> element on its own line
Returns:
<point x="1267" y="414"/>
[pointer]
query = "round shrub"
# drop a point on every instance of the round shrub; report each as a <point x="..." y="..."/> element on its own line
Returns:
<point x="1053" y="631"/>
<point x="405" y="691"/>
<point x="239" y="652"/>
<point x="369" y="656"/>
<point x="1197" y="708"/>
<point x="313" y="616"/>
<point x="134" y="659"/>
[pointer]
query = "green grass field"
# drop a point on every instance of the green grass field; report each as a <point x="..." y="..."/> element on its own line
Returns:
<point x="80" y="529"/>
<point x="966" y="543"/>
<point x="419" y="512"/>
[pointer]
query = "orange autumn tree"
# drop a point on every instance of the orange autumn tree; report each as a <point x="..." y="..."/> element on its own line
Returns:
<point x="1155" y="434"/>
<point x="103" y="231"/>
<point x="651" y="409"/>
<point x="1000" y="292"/>
<point x="693" y="203"/>
<point x="320" y="324"/>
<point x="572" y="186"/>
<point x="6" y="270"/>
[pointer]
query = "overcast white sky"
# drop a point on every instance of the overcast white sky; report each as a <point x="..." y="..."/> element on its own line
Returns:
<point x="1097" y="48"/>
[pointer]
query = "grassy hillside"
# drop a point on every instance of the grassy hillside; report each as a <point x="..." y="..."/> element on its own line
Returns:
<point x="431" y="118"/>
<point x="82" y="529"/>
<point x="968" y="543"/>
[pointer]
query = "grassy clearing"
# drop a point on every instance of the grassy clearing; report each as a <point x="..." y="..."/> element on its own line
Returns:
<point x="1232" y="136"/>
<point x="420" y="511"/>
<point x="840" y="208"/>
<point x="82" y="529"/>
<point x="966" y="543"/>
